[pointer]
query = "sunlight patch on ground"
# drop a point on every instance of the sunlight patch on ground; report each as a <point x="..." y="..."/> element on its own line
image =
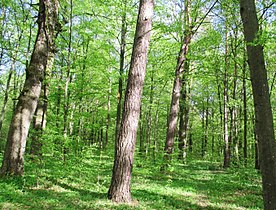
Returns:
<point x="8" y="205"/>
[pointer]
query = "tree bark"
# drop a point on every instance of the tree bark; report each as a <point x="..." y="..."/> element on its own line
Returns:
<point x="13" y="162"/>
<point x="6" y="97"/>
<point x="184" y="110"/>
<point x="226" y="162"/>
<point x="244" y="112"/>
<point x="119" y="190"/>
<point x="263" y="113"/>
<point x="121" y="71"/>
<point x="68" y="77"/>
<point x="174" y="107"/>
<point x="39" y="123"/>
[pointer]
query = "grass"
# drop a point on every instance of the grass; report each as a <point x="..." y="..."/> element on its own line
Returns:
<point x="82" y="183"/>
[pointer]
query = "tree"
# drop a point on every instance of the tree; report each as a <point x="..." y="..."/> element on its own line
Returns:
<point x="174" y="107"/>
<point x="13" y="162"/>
<point x="263" y="113"/>
<point x="122" y="67"/>
<point x="227" y="143"/>
<point x="119" y="190"/>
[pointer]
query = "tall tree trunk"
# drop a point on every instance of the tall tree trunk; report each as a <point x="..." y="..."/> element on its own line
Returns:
<point x="149" y="116"/>
<point x="227" y="150"/>
<point x="108" y="117"/>
<point x="11" y="71"/>
<point x="13" y="162"/>
<point x="68" y="76"/>
<point x="234" y="108"/>
<point x="122" y="67"/>
<point x="2" y="30"/>
<point x="119" y="190"/>
<point x="244" y="112"/>
<point x="264" y="118"/>
<point x="221" y="108"/>
<point x="206" y="131"/>
<point x="39" y="123"/>
<point x="184" y="116"/>
<point x="174" y="107"/>
<point x="141" y="133"/>
<point x="6" y="97"/>
<point x="203" y="130"/>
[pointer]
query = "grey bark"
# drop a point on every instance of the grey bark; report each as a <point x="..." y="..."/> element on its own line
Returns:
<point x="13" y="162"/>
<point x="174" y="107"/>
<point x="119" y="190"/>
<point x="122" y="66"/>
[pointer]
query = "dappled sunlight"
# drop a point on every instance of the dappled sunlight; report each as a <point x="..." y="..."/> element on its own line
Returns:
<point x="83" y="184"/>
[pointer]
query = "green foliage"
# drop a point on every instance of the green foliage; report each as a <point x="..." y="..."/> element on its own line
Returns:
<point x="60" y="181"/>
<point x="82" y="183"/>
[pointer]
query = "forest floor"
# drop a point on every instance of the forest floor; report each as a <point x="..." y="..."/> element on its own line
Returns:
<point x="82" y="183"/>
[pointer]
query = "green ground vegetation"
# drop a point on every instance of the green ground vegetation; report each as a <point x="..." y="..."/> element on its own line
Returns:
<point x="81" y="182"/>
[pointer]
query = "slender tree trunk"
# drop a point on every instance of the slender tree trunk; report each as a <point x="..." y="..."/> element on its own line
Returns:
<point x="203" y="129"/>
<point x="174" y="107"/>
<point x="205" y="143"/>
<point x="149" y="116"/>
<point x="184" y="115"/>
<point x="68" y="76"/>
<point x="234" y="108"/>
<point x="108" y="117"/>
<point x="213" y="127"/>
<point x="119" y="190"/>
<point x="244" y="112"/>
<point x="41" y="110"/>
<point x="263" y="112"/>
<point x="6" y="97"/>
<point x="13" y="162"/>
<point x="2" y="30"/>
<point x="141" y="133"/>
<point x="122" y="67"/>
<point x="11" y="71"/>
<point x="227" y="150"/>
<point x="221" y="116"/>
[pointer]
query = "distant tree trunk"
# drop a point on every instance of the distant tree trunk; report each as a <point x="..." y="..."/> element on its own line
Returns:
<point x="68" y="76"/>
<point x="184" y="117"/>
<point x="190" y="142"/>
<point x="3" y="21"/>
<point x="206" y="132"/>
<point x="13" y="162"/>
<point x="174" y="107"/>
<point x="203" y="130"/>
<point x="227" y="150"/>
<point x="234" y="108"/>
<point x="155" y="133"/>
<point x="121" y="71"/>
<point x="11" y="71"/>
<point x="244" y="112"/>
<point x="6" y="97"/>
<point x="221" y="108"/>
<point x="205" y="127"/>
<point x="108" y="117"/>
<point x="149" y="116"/>
<point x="263" y="113"/>
<point x="119" y="190"/>
<point x="213" y="127"/>
<point x="141" y="133"/>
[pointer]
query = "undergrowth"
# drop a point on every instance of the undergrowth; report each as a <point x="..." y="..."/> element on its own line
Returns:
<point x="82" y="183"/>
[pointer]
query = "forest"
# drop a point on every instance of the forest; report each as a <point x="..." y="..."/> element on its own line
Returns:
<point x="127" y="104"/>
